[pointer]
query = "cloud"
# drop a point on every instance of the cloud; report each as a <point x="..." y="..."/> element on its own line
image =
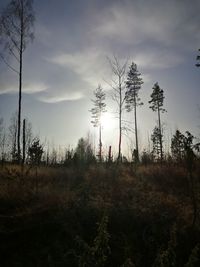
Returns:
<point x="9" y="84"/>
<point x="51" y="98"/>
<point x="68" y="57"/>
<point x="63" y="83"/>
<point x="163" y="22"/>
<point x="90" y="65"/>
<point x="158" y="59"/>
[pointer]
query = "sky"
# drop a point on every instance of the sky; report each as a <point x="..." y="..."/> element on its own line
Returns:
<point x="69" y="58"/>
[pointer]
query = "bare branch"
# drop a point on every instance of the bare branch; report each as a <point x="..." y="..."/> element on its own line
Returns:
<point x="8" y="64"/>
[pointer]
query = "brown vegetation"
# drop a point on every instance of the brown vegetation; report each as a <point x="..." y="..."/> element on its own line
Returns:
<point x="51" y="219"/>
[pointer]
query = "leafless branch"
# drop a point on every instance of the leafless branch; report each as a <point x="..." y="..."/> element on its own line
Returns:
<point x="8" y="64"/>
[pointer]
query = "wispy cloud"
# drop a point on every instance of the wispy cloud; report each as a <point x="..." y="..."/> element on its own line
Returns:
<point x="90" y="65"/>
<point x="163" y="22"/>
<point x="9" y="84"/>
<point x="52" y="98"/>
<point x="68" y="57"/>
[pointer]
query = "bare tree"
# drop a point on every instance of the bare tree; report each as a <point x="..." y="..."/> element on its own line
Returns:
<point x="119" y="96"/>
<point x="133" y="85"/>
<point x="97" y="111"/>
<point x="16" y="32"/>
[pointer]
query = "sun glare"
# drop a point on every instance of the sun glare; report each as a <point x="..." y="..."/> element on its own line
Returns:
<point x="107" y="121"/>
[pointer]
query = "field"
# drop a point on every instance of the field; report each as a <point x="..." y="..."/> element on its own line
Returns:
<point x="98" y="216"/>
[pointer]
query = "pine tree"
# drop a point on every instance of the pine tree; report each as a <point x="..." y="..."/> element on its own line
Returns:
<point x="35" y="152"/>
<point x="97" y="112"/>
<point x="133" y="85"/>
<point x="157" y="99"/>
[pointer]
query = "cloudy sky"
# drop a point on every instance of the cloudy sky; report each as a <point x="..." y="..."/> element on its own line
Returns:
<point x="68" y="59"/>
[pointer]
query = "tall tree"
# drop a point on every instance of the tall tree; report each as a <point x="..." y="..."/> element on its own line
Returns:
<point x="119" y="71"/>
<point x="97" y="111"/>
<point x="16" y="32"/>
<point x="198" y="58"/>
<point x="157" y="99"/>
<point x="133" y="85"/>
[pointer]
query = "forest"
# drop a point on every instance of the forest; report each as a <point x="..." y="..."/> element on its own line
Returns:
<point x="89" y="205"/>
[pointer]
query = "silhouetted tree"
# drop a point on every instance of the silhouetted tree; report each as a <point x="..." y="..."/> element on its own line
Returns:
<point x="35" y="152"/>
<point x="16" y="31"/>
<point x="69" y="154"/>
<point x="83" y="152"/>
<point x="190" y="157"/>
<point x="133" y="85"/>
<point x="177" y="146"/>
<point x="183" y="149"/>
<point x="119" y="71"/>
<point x="97" y="111"/>
<point x="157" y="98"/>
<point x="198" y="59"/>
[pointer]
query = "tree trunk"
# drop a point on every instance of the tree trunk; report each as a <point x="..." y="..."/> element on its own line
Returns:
<point x="100" y="144"/>
<point x="24" y="141"/>
<point x="109" y="154"/>
<point x="136" y="134"/>
<point x="120" y="120"/>
<point x="20" y="88"/>
<point x="160" y="135"/>
<point x="19" y="111"/>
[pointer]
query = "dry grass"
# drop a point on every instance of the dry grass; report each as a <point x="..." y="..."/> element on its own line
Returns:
<point x="149" y="201"/>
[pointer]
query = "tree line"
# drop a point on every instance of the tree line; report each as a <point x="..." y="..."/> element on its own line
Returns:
<point x="126" y="90"/>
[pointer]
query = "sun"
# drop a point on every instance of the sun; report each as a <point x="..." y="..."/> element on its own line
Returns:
<point x="107" y="121"/>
